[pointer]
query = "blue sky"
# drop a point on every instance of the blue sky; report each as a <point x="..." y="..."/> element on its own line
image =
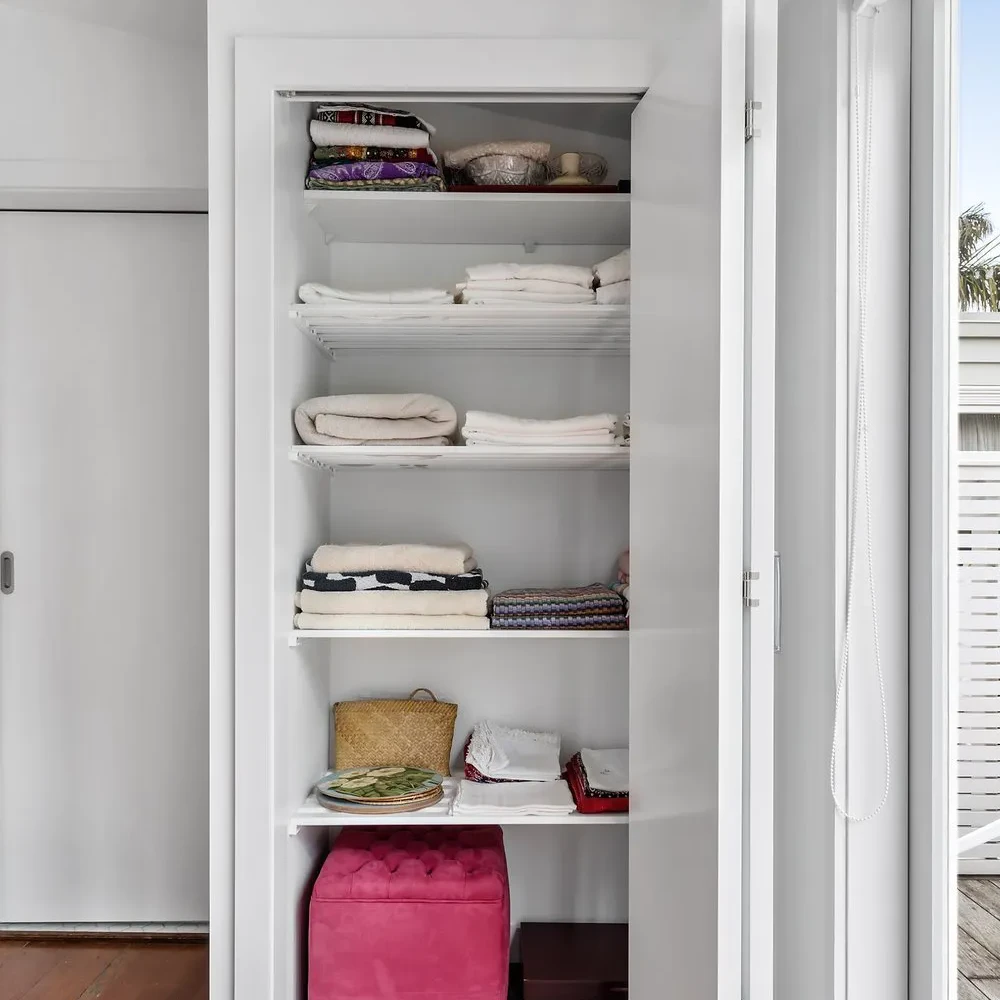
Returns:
<point x="979" y="105"/>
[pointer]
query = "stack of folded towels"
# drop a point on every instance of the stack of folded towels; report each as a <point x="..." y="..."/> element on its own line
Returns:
<point x="360" y="146"/>
<point x="482" y="428"/>
<point x="593" y="607"/>
<point x="512" y="772"/>
<point x="314" y="293"/>
<point x="527" y="284"/>
<point x="620" y="586"/>
<point x="598" y="780"/>
<point x="613" y="279"/>
<point x="392" y="587"/>
<point x="409" y="418"/>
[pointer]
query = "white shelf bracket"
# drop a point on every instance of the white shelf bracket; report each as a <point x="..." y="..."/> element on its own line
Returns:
<point x="293" y="640"/>
<point x="293" y="828"/>
<point x="328" y="238"/>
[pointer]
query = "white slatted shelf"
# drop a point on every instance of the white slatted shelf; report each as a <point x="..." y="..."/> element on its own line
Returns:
<point x="553" y="329"/>
<point x="334" y="458"/>
<point x="312" y="814"/>
<point x="297" y="635"/>
<point x="470" y="217"/>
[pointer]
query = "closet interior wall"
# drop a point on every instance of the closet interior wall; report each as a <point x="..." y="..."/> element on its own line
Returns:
<point x="527" y="528"/>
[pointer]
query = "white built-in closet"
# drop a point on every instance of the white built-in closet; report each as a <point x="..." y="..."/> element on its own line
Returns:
<point x="678" y="869"/>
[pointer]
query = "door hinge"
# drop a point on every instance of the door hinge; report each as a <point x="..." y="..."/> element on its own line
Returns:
<point x="750" y="129"/>
<point x="749" y="601"/>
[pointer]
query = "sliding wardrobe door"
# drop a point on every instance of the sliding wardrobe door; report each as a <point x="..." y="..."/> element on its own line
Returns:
<point x="103" y="507"/>
<point x="686" y="656"/>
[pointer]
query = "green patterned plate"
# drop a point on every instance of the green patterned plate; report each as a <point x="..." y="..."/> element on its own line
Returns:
<point x="380" y="784"/>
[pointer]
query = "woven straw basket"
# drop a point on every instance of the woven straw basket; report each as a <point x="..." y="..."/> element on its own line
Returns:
<point x="385" y="731"/>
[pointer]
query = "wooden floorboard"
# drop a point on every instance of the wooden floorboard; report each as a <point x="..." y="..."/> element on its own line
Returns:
<point x="985" y="892"/>
<point x="988" y="987"/>
<point x="103" y="970"/>
<point x="975" y="961"/>
<point x="967" y="990"/>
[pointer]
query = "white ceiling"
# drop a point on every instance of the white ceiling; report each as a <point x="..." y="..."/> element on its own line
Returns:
<point x="170" y="20"/>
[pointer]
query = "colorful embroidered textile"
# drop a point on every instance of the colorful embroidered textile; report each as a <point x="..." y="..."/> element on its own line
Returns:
<point x="398" y="184"/>
<point x="373" y="170"/>
<point x="325" y="155"/>
<point x="593" y="607"/>
<point x="370" y="114"/>
<point x="391" y="579"/>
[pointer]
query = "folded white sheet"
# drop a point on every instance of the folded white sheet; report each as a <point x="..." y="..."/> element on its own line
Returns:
<point x="335" y="134"/>
<point x="394" y="602"/>
<point x="614" y="269"/>
<point x="607" y="770"/>
<point x="414" y="623"/>
<point x="582" y="297"/>
<point x="522" y="285"/>
<point x="555" y="441"/>
<point x="483" y="420"/>
<point x="313" y="292"/>
<point x="448" y="559"/>
<point x="568" y="274"/>
<point x="532" y="798"/>
<point x="498" y="751"/>
<point x="616" y="294"/>
<point x="376" y="418"/>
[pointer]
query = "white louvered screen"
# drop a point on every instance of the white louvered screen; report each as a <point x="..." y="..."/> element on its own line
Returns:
<point x="979" y="654"/>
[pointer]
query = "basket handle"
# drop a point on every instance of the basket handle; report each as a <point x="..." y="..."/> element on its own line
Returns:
<point x="426" y="690"/>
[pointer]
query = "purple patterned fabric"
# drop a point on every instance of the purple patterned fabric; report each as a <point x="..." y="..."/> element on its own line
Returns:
<point x="373" y="170"/>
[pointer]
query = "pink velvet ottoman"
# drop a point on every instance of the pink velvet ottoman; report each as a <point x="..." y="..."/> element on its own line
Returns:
<point x="411" y="914"/>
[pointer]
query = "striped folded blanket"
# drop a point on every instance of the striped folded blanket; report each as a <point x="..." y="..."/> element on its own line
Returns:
<point x="592" y="607"/>
<point x="390" y="579"/>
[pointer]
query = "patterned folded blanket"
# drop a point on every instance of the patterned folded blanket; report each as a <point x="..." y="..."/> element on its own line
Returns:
<point x="399" y="184"/>
<point x="373" y="170"/>
<point x="391" y="579"/>
<point x="370" y="114"/>
<point x="326" y="155"/>
<point x="592" y="607"/>
<point x="613" y="622"/>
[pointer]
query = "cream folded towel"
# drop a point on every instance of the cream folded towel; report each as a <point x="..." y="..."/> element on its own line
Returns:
<point x="523" y="798"/>
<point x="483" y="420"/>
<point x="394" y="602"/>
<point x="581" y="297"/>
<point x="448" y="560"/>
<point x="313" y="292"/>
<point x="522" y="285"/>
<point x="376" y="418"/>
<point x="525" y="441"/>
<point x="568" y="274"/>
<point x="414" y="623"/>
<point x="614" y="269"/>
<point x="334" y="134"/>
<point x="620" y="293"/>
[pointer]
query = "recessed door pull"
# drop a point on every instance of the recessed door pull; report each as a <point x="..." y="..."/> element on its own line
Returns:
<point x="6" y="572"/>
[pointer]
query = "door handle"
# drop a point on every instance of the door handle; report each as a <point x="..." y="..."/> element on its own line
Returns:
<point x="777" y="602"/>
<point x="6" y="572"/>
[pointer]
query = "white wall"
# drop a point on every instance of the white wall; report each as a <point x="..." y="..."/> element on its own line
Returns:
<point x="104" y="97"/>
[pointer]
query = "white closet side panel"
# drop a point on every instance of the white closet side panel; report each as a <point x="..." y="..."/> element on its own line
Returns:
<point x="686" y="493"/>
<point x="104" y="641"/>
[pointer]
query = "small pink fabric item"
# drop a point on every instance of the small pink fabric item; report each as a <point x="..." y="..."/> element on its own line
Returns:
<point x="411" y="914"/>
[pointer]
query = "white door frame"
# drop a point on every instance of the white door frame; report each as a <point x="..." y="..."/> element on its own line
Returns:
<point x="933" y="446"/>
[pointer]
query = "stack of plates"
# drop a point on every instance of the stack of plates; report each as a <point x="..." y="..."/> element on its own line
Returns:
<point x="379" y="790"/>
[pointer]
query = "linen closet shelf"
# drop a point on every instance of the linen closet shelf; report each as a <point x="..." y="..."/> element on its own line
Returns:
<point x="295" y="636"/>
<point x="333" y="458"/>
<point x="584" y="328"/>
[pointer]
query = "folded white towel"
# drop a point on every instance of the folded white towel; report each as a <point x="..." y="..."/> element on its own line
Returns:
<point x="449" y="559"/>
<point x="566" y="441"/>
<point x="334" y="134"/>
<point x="483" y="420"/>
<point x="394" y="602"/>
<point x="616" y="294"/>
<point x="376" y="418"/>
<point x="614" y="269"/>
<point x="568" y="274"/>
<point x="582" y="297"/>
<point x="314" y="292"/>
<point x="607" y="770"/>
<point x="410" y="623"/>
<point x="522" y="285"/>
<point x="513" y="754"/>
<point x="533" y="798"/>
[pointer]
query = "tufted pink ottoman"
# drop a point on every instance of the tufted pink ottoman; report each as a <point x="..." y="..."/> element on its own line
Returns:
<point x="411" y="914"/>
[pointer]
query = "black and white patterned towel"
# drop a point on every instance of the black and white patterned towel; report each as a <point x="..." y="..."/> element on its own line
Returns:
<point x="391" y="579"/>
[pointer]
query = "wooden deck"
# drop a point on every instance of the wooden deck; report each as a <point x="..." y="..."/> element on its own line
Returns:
<point x="46" y="969"/>
<point x="978" y="939"/>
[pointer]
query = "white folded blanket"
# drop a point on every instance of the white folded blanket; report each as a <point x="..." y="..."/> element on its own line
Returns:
<point x="568" y="274"/>
<point x="414" y="623"/>
<point x="522" y="285"/>
<point x="376" y="418"/>
<point x="616" y="294"/>
<point x="534" y="798"/>
<point x="614" y="269"/>
<point x="607" y="770"/>
<point x="314" y="292"/>
<point x="394" y="602"/>
<point x="334" y="134"/>
<point x="498" y="751"/>
<point x="582" y="297"/>
<point x="449" y="560"/>
<point x="483" y="420"/>
<point x="555" y="441"/>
